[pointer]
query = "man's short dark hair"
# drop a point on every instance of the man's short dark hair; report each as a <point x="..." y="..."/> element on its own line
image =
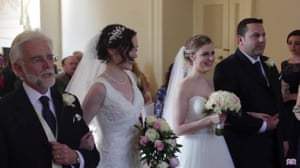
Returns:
<point x="64" y="60"/>
<point x="242" y="26"/>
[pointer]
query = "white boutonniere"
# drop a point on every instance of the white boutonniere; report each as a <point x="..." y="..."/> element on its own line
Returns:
<point x="68" y="99"/>
<point x="77" y="117"/>
<point x="270" y="63"/>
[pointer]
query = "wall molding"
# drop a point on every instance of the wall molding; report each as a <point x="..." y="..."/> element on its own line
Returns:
<point x="156" y="40"/>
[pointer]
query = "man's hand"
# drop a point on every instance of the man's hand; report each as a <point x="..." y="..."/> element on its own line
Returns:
<point x="272" y="122"/>
<point x="87" y="141"/>
<point x="62" y="154"/>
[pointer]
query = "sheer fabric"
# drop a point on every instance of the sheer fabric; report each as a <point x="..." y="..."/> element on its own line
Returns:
<point x="179" y="70"/>
<point x="86" y="73"/>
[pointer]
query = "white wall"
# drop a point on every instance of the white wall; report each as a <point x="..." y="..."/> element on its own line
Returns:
<point x="171" y="19"/>
<point x="280" y="18"/>
<point x="51" y="23"/>
<point x="80" y="22"/>
<point x="83" y="19"/>
<point x="177" y="28"/>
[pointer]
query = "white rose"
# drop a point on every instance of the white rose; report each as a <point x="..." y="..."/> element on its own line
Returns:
<point x="150" y="120"/>
<point x="152" y="134"/>
<point x="164" y="127"/>
<point x="172" y="142"/>
<point x="162" y="164"/>
<point x="270" y="62"/>
<point x="68" y="99"/>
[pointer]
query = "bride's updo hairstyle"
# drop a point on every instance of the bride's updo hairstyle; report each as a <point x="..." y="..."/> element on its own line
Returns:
<point x="193" y="44"/>
<point x="115" y="36"/>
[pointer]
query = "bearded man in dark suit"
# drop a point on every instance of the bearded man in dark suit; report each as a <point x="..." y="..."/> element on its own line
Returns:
<point x="254" y="139"/>
<point x="27" y="137"/>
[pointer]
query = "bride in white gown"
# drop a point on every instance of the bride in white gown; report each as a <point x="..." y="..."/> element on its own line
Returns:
<point x="113" y="99"/>
<point x="184" y="107"/>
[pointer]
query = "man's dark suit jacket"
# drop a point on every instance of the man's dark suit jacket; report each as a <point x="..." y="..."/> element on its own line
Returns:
<point x="23" y="142"/>
<point x="10" y="81"/>
<point x="249" y="148"/>
<point x="61" y="82"/>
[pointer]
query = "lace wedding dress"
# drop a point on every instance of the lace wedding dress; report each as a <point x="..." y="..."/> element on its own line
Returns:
<point x="202" y="149"/>
<point x="117" y="117"/>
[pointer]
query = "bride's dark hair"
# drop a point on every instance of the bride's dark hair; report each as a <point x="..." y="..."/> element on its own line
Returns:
<point x="115" y="36"/>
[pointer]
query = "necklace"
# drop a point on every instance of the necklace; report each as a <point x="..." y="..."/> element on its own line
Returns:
<point x="121" y="82"/>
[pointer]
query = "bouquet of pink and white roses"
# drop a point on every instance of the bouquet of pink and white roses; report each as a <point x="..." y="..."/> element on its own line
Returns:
<point x="157" y="143"/>
<point x="222" y="102"/>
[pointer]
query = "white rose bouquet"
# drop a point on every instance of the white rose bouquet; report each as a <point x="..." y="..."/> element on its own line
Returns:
<point x="222" y="102"/>
<point x="157" y="143"/>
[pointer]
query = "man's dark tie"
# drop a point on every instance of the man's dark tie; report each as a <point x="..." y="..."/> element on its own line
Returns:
<point x="258" y="66"/>
<point x="47" y="113"/>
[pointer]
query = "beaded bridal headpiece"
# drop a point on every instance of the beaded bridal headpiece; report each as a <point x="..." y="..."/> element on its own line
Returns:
<point x="116" y="33"/>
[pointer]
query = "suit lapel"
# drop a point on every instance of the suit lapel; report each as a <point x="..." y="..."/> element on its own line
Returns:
<point x="59" y="107"/>
<point x="250" y="69"/>
<point x="267" y="68"/>
<point x="272" y="74"/>
<point x="26" y="116"/>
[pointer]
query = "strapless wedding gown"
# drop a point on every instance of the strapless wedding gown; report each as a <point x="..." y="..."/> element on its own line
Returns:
<point x="202" y="149"/>
<point x="117" y="117"/>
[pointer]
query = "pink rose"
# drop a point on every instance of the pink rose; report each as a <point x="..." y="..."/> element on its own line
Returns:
<point x="159" y="145"/>
<point x="143" y="140"/>
<point x="174" y="162"/>
<point x="156" y="125"/>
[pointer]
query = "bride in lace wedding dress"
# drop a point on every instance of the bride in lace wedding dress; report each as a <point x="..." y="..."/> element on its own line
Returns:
<point x="113" y="100"/>
<point x="187" y="94"/>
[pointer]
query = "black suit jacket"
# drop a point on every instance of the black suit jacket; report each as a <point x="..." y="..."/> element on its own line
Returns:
<point x="10" y="81"/>
<point x="61" y="81"/>
<point x="23" y="142"/>
<point x="248" y="147"/>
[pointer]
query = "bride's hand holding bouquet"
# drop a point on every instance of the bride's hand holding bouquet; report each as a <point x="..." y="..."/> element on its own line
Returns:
<point x="222" y="102"/>
<point x="216" y="121"/>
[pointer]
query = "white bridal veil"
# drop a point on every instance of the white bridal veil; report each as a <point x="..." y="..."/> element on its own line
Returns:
<point x="179" y="71"/>
<point x="87" y="71"/>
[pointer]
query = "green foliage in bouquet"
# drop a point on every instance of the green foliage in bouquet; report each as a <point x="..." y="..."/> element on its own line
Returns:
<point x="157" y="143"/>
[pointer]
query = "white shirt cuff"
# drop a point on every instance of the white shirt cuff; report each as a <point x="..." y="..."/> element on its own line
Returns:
<point x="81" y="165"/>
<point x="263" y="127"/>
